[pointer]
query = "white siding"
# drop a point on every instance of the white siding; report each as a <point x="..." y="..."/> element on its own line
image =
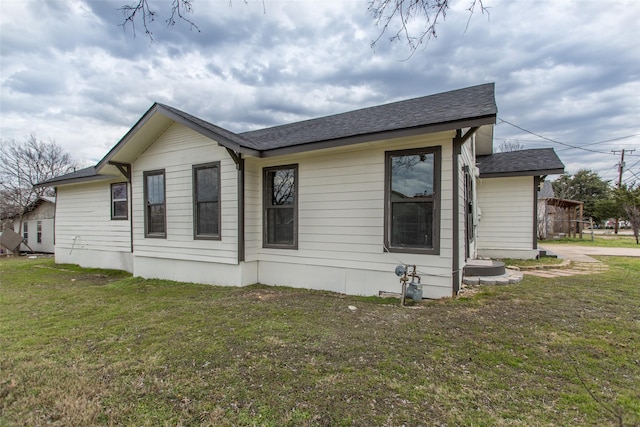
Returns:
<point x="44" y="214"/>
<point x="341" y="222"/>
<point x="85" y="233"/>
<point x="176" y="151"/>
<point x="506" y="225"/>
<point x="46" y="244"/>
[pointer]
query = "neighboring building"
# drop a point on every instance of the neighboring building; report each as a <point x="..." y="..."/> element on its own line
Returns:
<point x="508" y="199"/>
<point x="333" y="203"/>
<point x="546" y="212"/>
<point x="558" y="217"/>
<point x="36" y="226"/>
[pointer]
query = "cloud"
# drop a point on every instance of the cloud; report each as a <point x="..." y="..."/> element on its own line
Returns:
<point x="564" y="70"/>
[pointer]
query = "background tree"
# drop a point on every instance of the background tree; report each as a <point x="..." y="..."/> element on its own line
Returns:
<point x="585" y="186"/>
<point x="510" y="145"/>
<point x="607" y="208"/>
<point x="22" y="165"/>
<point x="628" y="202"/>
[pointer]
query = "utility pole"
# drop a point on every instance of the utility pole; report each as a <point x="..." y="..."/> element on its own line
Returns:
<point x="620" y="170"/>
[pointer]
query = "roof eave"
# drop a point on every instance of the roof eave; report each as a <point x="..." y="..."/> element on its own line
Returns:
<point x="377" y="136"/>
<point x="543" y="172"/>
<point x="72" y="181"/>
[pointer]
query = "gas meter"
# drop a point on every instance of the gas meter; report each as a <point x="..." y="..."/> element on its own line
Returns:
<point x="411" y="286"/>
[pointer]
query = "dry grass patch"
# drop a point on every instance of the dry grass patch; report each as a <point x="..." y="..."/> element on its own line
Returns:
<point x="88" y="347"/>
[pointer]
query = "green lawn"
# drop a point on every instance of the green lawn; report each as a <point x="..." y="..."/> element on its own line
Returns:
<point x="89" y="347"/>
<point x="606" y="240"/>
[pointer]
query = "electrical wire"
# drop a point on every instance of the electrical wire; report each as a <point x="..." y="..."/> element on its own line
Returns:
<point x="605" y="141"/>
<point x="630" y="167"/>
<point x="632" y="173"/>
<point x="553" y="140"/>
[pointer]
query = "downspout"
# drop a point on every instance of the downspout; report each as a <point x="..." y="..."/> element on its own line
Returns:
<point x="130" y="207"/>
<point x="239" y="161"/>
<point x="537" y="180"/>
<point x="458" y="141"/>
<point x="55" y="215"/>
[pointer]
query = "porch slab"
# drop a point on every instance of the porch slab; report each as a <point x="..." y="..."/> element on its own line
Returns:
<point x="510" y="277"/>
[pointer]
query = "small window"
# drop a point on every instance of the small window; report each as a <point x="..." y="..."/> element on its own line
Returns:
<point x="281" y="207"/>
<point x="39" y="231"/>
<point x="155" y="207"/>
<point x="25" y="231"/>
<point x="119" y="205"/>
<point x="412" y="200"/>
<point x="206" y="201"/>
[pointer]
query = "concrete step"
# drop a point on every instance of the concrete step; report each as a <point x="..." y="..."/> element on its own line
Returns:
<point x="479" y="268"/>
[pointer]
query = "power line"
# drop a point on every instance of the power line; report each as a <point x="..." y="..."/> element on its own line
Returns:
<point x="632" y="173"/>
<point x="591" y="143"/>
<point x="633" y="164"/>
<point x="631" y="179"/>
<point x="621" y="169"/>
<point x="602" y="142"/>
<point x="552" y="140"/>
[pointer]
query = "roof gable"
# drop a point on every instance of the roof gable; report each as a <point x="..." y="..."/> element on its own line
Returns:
<point x="155" y="121"/>
<point x="41" y="200"/>
<point x="546" y="192"/>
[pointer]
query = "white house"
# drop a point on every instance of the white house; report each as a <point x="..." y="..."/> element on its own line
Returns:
<point x="508" y="187"/>
<point x="333" y="203"/>
<point x="36" y="226"/>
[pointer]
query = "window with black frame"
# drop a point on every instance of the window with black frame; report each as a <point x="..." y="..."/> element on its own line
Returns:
<point x="206" y="201"/>
<point x="412" y="200"/>
<point x="280" y="207"/>
<point x="119" y="204"/>
<point x="155" y="208"/>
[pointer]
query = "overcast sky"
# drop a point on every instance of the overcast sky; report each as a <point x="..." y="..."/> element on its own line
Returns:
<point x="568" y="71"/>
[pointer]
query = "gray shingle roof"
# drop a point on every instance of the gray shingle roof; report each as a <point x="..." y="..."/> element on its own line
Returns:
<point x="546" y="192"/>
<point x="472" y="106"/>
<point x="79" y="175"/>
<point x="448" y="107"/>
<point x="533" y="162"/>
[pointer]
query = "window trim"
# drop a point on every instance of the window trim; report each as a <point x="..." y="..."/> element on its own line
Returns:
<point x="267" y="205"/>
<point x="113" y="216"/>
<point x="437" y="162"/>
<point x="25" y="231"/>
<point x="145" y="175"/>
<point x="196" y="236"/>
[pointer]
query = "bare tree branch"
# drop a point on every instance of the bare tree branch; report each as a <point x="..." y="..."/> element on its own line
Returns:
<point x="410" y="21"/>
<point x="510" y="145"/>
<point x="178" y="8"/>
<point x="142" y="11"/>
<point x="23" y="165"/>
<point x="402" y="14"/>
